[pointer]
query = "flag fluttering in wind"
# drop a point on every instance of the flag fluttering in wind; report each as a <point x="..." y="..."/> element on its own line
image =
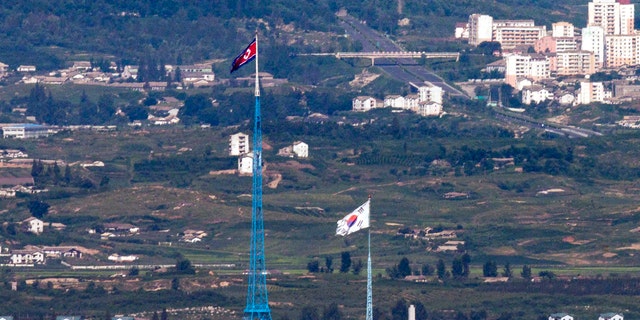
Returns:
<point x="246" y="56"/>
<point x="354" y="221"/>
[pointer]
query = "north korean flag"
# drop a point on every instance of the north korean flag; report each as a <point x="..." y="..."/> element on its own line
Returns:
<point x="246" y="56"/>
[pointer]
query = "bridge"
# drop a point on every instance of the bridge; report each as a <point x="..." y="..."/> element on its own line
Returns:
<point x="390" y="55"/>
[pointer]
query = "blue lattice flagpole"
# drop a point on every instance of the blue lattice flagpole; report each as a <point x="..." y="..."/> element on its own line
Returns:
<point x="257" y="297"/>
<point x="369" y="285"/>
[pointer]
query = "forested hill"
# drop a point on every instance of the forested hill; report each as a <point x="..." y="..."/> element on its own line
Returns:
<point x="41" y="32"/>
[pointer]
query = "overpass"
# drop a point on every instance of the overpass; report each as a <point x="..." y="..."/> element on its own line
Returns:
<point x="392" y="55"/>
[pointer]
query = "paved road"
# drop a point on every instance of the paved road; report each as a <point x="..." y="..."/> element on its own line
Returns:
<point x="405" y="70"/>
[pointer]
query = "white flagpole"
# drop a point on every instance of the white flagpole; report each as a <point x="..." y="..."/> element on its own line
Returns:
<point x="369" y="315"/>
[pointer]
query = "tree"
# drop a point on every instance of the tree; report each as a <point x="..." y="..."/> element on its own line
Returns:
<point x="490" y="269"/>
<point x="404" y="267"/>
<point x="313" y="266"/>
<point x="328" y="262"/>
<point x="526" y="272"/>
<point x="400" y="311"/>
<point x="345" y="263"/>
<point x="427" y="269"/>
<point x="466" y="260"/>
<point x="175" y="284"/>
<point x="441" y="269"/>
<point x="421" y="311"/>
<point x="309" y="313"/>
<point x="332" y="312"/>
<point x="457" y="269"/>
<point x="184" y="266"/>
<point x="506" y="272"/>
<point x="164" y="315"/>
<point x="38" y="208"/>
<point x="357" y="267"/>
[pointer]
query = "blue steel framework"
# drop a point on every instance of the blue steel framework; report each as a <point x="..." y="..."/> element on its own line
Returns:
<point x="257" y="297"/>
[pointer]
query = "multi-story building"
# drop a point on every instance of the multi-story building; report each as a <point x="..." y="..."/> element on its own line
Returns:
<point x="430" y="93"/>
<point x="239" y="144"/>
<point x="592" y="92"/>
<point x="621" y="51"/>
<point x="512" y="33"/>
<point x="616" y="17"/>
<point x="549" y="44"/>
<point x="593" y="40"/>
<point x="533" y="66"/>
<point x="562" y="30"/>
<point x="574" y="63"/>
<point x="364" y="103"/>
<point x="480" y="28"/>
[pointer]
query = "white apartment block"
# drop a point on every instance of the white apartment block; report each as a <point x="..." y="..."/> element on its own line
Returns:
<point x="574" y="63"/>
<point x="562" y="30"/>
<point x="430" y="93"/>
<point x="429" y="108"/>
<point x="593" y="40"/>
<point x="480" y="28"/>
<point x="534" y="67"/>
<point x="245" y="164"/>
<point x="621" y="50"/>
<point x="512" y="33"/>
<point x="239" y="144"/>
<point x="592" y="92"/>
<point x="616" y="17"/>
<point x="364" y="103"/>
<point x="550" y="44"/>
<point x="394" y="101"/>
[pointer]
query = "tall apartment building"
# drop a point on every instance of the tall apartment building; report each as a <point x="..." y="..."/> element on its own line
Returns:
<point x="574" y="63"/>
<point x="512" y="33"/>
<point x="480" y="28"/>
<point x="616" y="17"/>
<point x="430" y="93"/>
<point x="532" y="66"/>
<point x="592" y="92"/>
<point x="550" y="44"/>
<point x="593" y="40"/>
<point x="562" y="30"/>
<point x="238" y="144"/>
<point x="621" y="50"/>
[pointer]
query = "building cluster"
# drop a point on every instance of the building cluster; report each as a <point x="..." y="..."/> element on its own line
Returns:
<point x="531" y="54"/>
<point x="239" y="146"/>
<point x="427" y="102"/>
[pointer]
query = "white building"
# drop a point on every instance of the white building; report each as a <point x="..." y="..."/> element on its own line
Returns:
<point x="34" y="225"/>
<point x="592" y="92"/>
<point x="532" y="66"/>
<point x="27" y="256"/>
<point x="245" y="164"/>
<point x="301" y="149"/>
<point x="430" y="93"/>
<point x="535" y="94"/>
<point x="429" y="108"/>
<point x="562" y="29"/>
<point x="616" y="17"/>
<point x="239" y="144"/>
<point x="593" y="40"/>
<point x="394" y="101"/>
<point x="574" y="63"/>
<point x="513" y="33"/>
<point x="27" y="130"/>
<point x="621" y="50"/>
<point x="611" y="316"/>
<point x="560" y="316"/>
<point x="364" y="103"/>
<point x="480" y="28"/>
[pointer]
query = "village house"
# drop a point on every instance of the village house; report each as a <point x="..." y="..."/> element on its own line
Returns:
<point x="58" y="252"/>
<point x="245" y="164"/>
<point x="118" y="258"/>
<point x="611" y="316"/>
<point x="535" y="94"/>
<point x="25" y="68"/>
<point x="27" y="256"/>
<point x="33" y="225"/>
<point x="364" y="103"/>
<point x="297" y="149"/>
<point x="560" y="316"/>
<point x="121" y="229"/>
